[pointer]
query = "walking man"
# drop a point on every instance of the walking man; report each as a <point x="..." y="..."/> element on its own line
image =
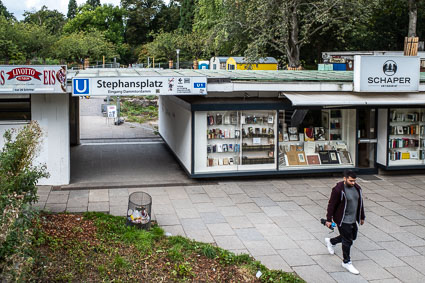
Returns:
<point x="346" y="209"/>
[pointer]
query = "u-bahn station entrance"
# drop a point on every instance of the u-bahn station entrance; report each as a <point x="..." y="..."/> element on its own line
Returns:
<point x="240" y="123"/>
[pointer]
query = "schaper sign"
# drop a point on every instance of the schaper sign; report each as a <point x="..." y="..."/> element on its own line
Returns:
<point x="386" y="73"/>
<point x="32" y="79"/>
<point x="122" y="86"/>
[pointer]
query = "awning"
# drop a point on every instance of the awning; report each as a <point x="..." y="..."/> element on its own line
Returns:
<point x="354" y="98"/>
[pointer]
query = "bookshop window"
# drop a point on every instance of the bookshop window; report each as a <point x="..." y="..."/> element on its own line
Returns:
<point x="406" y="141"/>
<point x="15" y="109"/>
<point x="235" y="140"/>
<point x="316" y="138"/>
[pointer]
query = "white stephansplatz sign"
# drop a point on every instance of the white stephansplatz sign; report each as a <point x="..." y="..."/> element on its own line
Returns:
<point x="32" y="79"/>
<point x="122" y="86"/>
<point x="386" y="73"/>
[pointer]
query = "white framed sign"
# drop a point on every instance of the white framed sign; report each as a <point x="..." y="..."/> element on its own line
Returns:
<point x="111" y="111"/>
<point x="32" y="79"/>
<point x="386" y="73"/>
<point x="124" y="86"/>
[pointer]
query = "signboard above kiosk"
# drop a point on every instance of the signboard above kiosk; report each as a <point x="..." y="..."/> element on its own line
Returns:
<point x="32" y="79"/>
<point x="122" y="86"/>
<point x="386" y="73"/>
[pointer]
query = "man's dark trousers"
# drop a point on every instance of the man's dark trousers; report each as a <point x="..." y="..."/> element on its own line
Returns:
<point x="347" y="234"/>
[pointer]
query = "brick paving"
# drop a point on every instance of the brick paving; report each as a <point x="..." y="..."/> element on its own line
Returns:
<point x="276" y="221"/>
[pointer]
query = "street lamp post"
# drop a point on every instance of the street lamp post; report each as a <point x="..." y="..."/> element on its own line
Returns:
<point x="178" y="62"/>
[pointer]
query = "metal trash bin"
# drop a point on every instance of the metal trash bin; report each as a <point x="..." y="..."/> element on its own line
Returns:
<point x="139" y="210"/>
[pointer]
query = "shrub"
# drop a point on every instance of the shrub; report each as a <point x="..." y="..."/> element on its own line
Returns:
<point x="18" y="179"/>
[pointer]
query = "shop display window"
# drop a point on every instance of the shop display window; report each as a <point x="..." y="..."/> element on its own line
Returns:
<point x="406" y="141"/>
<point x="316" y="138"/>
<point x="235" y="140"/>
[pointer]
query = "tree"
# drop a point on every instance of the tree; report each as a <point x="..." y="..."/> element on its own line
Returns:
<point x="53" y="20"/>
<point x="168" y="17"/>
<point x="141" y="15"/>
<point x="163" y="47"/>
<point x="108" y="19"/>
<point x="75" y="47"/>
<point x="4" y="12"/>
<point x="93" y="3"/>
<point x="413" y="17"/>
<point x="187" y="13"/>
<point x="287" y="25"/>
<point x="72" y="9"/>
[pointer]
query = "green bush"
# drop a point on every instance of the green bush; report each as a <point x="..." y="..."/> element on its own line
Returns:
<point x="18" y="179"/>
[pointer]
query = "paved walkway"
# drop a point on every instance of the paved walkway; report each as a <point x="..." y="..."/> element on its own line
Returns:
<point x="276" y="221"/>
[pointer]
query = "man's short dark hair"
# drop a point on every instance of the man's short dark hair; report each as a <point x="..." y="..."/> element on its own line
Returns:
<point x="350" y="173"/>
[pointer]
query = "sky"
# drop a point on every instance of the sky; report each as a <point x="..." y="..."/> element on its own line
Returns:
<point x="19" y="7"/>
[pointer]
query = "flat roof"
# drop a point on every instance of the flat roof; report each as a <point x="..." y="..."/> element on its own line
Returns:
<point x="236" y="75"/>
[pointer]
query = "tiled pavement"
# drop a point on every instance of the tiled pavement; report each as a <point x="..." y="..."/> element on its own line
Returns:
<point x="276" y="221"/>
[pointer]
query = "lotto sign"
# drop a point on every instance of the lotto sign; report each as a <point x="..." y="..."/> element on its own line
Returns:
<point x="122" y="86"/>
<point x="32" y="79"/>
<point x="112" y="111"/>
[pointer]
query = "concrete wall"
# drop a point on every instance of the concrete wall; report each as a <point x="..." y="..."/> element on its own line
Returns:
<point x="175" y="127"/>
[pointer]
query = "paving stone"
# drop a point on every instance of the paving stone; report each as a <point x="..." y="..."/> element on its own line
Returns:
<point x="167" y="219"/>
<point x="302" y="200"/>
<point x="190" y="224"/>
<point x="407" y="274"/>
<point x="278" y="197"/>
<point x="194" y="190"/>
<point x="175" y="230"/>
<point x="237" y="222"/>
<point x="249" y="234"/>
<point x="231" y="188"/>
<point x="80" y="209"/>
<point x="282" y="242"/>
<point x="259" y="248"/>
<point x="374" y="233"/>
<point x="299" y="233"/>
<point x="269" y="229"/>
<point x="417" y="262"/>
<point x="313" y="273"/>
<point x="384" y="258"/>
<point x="42" y="198"/>
<point x="200" y="235"/>
<point x="313" y="247"/>
<point x="212" y="217"/>
<point x="398" y="249"/>
<point x="273" y="211"/>
<point x="222" y="201"/>
<point x="296" y="257"/>
<point x="55" y="207"/>
<point x="57" y="199"/>
<point x="220" y="229"/>
<point x="416" y="230"/>
<point x="178" y="194"/>
<point x="229" y="242"/>
<point x="382" y="211"/>
<point x="163" y="209"/>
<point x="118" y="210"/>
<point x="400" y="220"/>
<point x="274" y="262"/>
<point x="392" y="280"/>
<point x="409" y="239"/>
<point x="289" y="205"/>
<point x="240" y="198"/>
<point x="249" y="207"/>
<point x="99" y="206"/>
<point x="347" y="277"/>
<point x="239" y="252"/>
<point x="365" y="244"/>
<point x="371" y="271"/>
<point x="230" y="211"/>
<point x="38" y="205"/>
<point x="411" y="214"/>
<point x="160" y="200"/>
<point x="214" y="191"/>
<point x="329" y="263"/>
<point x="285" y="222"/>
<point x="199" y="198"/>
<point x="264" y="201"/>
<point x="187" y="213"/>
<point x="301" y="215"/>
<point x="259" y="218"/>
<point x="99" y="195"/>
<point x="383" y="224"/>
<point x="119" y="201"/>
<point x="118" y="193"/>
<point x="182" y="203"/>
<point x="205" y="207"/>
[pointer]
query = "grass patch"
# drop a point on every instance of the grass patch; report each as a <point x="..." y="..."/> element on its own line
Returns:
<point x="100" y="247"/>
<point x="137" y="113"/>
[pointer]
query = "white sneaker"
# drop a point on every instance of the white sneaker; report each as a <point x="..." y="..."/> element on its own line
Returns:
<point x="329" y="246"/>
<point x="349" y="266"/>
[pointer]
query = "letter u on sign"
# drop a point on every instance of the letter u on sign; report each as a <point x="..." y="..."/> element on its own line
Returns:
<point x="80" y="86"/>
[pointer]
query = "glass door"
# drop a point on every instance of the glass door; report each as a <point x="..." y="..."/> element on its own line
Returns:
<point x="367" y="140"/>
